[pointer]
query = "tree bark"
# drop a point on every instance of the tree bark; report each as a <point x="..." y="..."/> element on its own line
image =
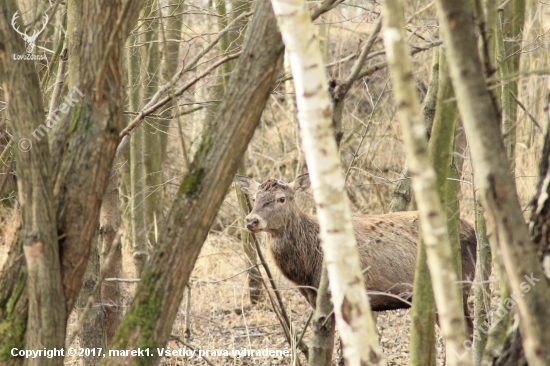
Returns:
<point x="84" y="142"/>
<point x="92" y="334"/>
<point x="322" y="326"/>
<point x="422" y="340"/>
<point x="152" y="147"/>
<point x="486" y="17"/>
<point x="149" y="319"/>
<point x="513" y="18"/>
<point x="93" y="131"/>
<point x="254" y="276"/>
<point x="109" y="223"/>
<point x="482" y="290"/>
<point x="494" y="180"/>
<point x="140" y="250"/>
<point x="47" y="313"/>
<point x="441" y="151"/>
<point x="539" y="229"/>
<point x="401" y="195"/>
<point x="351" y="306"/>
<point x="424" y="181"/>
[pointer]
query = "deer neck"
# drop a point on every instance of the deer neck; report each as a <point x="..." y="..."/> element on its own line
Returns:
<point x="296" y="249"/>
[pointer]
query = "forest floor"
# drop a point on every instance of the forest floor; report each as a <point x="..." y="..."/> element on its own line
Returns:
<point x="220" y="317"/>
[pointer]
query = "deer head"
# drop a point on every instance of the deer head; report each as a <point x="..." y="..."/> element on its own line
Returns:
<point x="274" y="202"/>
<point x="29" y="40"/>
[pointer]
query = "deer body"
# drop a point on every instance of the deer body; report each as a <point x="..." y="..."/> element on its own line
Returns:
<point x="387" y="245"/>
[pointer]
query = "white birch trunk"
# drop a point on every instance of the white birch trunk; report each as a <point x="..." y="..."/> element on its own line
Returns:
<point x="351" y="306"/>
<point x="424" y="183"/>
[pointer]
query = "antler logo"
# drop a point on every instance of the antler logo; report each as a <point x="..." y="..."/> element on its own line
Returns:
<point x="29" y="40"/>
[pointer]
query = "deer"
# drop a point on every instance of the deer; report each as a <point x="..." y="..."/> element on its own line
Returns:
<point x="387" y="245"/>
<point x="29" y="40"/>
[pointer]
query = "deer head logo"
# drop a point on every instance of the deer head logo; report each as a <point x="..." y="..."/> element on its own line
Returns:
<point x="29" y="40"/>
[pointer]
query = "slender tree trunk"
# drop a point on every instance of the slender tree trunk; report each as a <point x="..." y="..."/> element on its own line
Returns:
<point x="422" y="343"/>
<point x="254" y="275"/>
<point x="493" y="177"/>
<point x="235" y="39"/>
<point x="508" y="107"/>
<point x="498" y="331"/>
<point x="482" y="290"/>
<point x="109" y="223"/>
<point x="351" y="305"/>
<point x="487" y="15"/>
<point x="47" y="312"/>
<point x="322" y="326"/>
<point x="153" y="194"/>
<point x="401" y="196"/>
<point x="140" y="251"/>
<point x="149" y="319"/>
<point x="441" y="150"/>
<point x="424" y="180"/>
<point x="512" y="18"/>
<point x="92" y="334"/>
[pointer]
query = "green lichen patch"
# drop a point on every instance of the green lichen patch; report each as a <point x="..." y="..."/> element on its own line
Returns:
<point x="142" y="318"/>
<point x="191" y="184"/>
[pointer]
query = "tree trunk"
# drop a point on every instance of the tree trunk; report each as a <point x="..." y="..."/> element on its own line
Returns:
<point x="539" y="229"/>
<point x="84" y="144"/>
<point x="171" y="52"/>
<point x="424" y="181"/>
<point x="140" y="251"/>
<point x="513" y="18"/>
<point x="349" y="297"/>
<point x="109" y="223"/>
<point x="254" y="276"/>
<point x="422" y="343"/>
<point x="441" y="151"/>
<point x="153" y="195"/>
<point x="149" y="319"/>
<point x="322" y="326"/>
<point x="508" y="120"/>
<point x="92" y="334"/>
<point x="494" y="180"/>
<point x="401" y="195"/>
<point x="482" y="290"/>
<point x="486" y="15"/>
<point x="47" y="315"/>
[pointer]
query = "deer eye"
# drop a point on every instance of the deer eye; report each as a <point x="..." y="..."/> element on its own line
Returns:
<point x="281" y="200"/>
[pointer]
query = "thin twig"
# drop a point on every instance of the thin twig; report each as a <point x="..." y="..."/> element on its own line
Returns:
<point x="325" y="7"/>
<point x="58" y="86"/>
<point x="503" y="6"/>
<point x="358" y="65"/>
<point x="152" y="108"/>
<point x="525" y="110"/>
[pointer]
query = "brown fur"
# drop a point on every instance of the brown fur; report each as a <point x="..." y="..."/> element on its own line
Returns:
<point x="387" y="244"/>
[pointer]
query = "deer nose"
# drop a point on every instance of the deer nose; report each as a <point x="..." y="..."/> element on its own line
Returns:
<point x="251" y="224"/>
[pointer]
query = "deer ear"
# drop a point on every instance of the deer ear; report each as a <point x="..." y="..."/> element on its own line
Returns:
<point x="301" y="183"/>
<point x="248" y="185"/>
